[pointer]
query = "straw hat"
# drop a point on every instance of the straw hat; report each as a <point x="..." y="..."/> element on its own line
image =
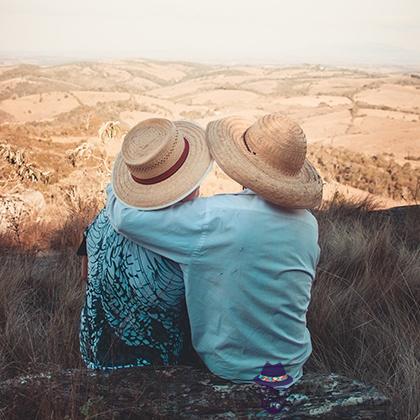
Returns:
<point x="160" y="163"/>
<point x="269" y="157"/>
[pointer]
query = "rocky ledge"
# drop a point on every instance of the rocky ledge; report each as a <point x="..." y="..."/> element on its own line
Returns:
<point x="184" y="392"/>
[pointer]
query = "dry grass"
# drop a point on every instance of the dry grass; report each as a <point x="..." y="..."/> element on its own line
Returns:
<point x="365" y="310"/>
<point x="364" y="313"/>
<point x="23" y="235"/>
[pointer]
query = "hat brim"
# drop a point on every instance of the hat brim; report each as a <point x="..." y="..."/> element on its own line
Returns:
<point x="170" y="191"/>
<point x="225" y="138"/>
<point x="285" y="383"/>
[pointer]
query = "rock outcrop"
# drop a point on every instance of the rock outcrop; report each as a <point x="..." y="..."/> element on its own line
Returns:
<point x="184" y="392"/>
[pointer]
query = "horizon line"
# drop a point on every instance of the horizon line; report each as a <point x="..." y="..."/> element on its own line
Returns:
<point x="78" y="56"/>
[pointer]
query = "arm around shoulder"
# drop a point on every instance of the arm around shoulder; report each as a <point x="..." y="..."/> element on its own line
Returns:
<point x="173" y="232"/>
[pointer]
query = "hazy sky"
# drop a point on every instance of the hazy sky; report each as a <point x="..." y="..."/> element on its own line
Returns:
<point x="254" y="31"/>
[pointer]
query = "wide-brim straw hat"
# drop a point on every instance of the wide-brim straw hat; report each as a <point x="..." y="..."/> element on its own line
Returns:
<point x="160" y="163"/>
<point x="269" y="157"/>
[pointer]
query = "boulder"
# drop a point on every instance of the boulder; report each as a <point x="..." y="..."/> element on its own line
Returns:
<point x="184" y="392"/>
<point x="33" y="199"/>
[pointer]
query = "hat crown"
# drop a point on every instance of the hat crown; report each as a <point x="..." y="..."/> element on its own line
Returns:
<point x="152" y="147"/>
<point x="278" y="141"/>
<point x="273" y="370"/>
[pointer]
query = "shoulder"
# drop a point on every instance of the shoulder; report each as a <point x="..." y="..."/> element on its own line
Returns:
<point x="300" y="220"/>
<point x="237" y="201"/>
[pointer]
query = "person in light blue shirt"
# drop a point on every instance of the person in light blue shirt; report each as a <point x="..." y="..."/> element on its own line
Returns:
<point x="248" y="259"/>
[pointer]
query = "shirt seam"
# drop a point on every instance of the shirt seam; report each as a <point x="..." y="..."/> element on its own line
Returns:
<point x="195" y="253"/>
<point x="203" y="236"/>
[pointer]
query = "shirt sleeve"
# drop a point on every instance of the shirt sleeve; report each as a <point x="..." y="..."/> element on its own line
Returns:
<point x="174" y="232"/>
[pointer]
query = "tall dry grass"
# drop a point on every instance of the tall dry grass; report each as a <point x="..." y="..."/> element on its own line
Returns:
<point x="364" y="315"/>
<point x="365" y="310"/>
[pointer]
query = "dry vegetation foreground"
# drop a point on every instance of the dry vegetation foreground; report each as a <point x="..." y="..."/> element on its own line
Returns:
<point x="363" y="317"/>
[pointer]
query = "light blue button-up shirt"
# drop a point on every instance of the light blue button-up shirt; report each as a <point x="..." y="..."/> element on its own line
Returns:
<point x="248" y="270"/>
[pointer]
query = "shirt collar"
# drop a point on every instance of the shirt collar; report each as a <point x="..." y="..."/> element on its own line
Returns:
<point x="246" y="191"/>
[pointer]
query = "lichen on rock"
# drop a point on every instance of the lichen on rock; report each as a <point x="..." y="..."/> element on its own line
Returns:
<point x="185" y="392"/>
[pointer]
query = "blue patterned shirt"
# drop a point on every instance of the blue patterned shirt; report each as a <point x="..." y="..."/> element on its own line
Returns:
<point x="248" y="269"/>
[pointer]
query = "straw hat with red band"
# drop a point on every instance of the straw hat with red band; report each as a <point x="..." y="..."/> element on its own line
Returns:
<point x="269" y="157"/>
<point x="160" y="163"/>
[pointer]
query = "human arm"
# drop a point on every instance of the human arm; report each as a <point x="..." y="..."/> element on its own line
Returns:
<point x="174" y="232"/>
